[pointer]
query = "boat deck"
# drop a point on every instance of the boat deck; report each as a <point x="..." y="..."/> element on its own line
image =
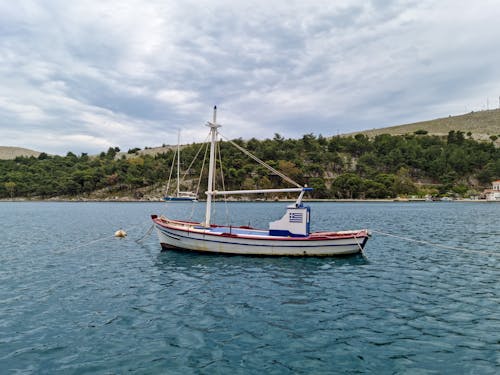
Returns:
<point x="230" y="231"/>
<point x="238" y="231"/>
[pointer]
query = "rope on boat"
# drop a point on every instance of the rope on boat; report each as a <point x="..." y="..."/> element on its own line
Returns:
<point x="497" y="254"/>
<point x="170" y="175"/>
<point x="146" y="234"/>
<point x="264" y="164"/>
<point x="228" y="218"/>
<point x="194" y="159"/>
<point x="199" y="180"/>
<point x="359" y="245"/>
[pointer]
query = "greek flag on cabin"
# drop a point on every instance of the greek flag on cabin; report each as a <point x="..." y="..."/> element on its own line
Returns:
<point x="295" y="217"/>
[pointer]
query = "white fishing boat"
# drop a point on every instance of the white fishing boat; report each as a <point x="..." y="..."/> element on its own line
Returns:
<point x="288" y="236"/>
<point x="178" y="195"/>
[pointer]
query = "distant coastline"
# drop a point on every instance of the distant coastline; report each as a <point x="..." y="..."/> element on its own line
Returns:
<point x="133" y="200"/>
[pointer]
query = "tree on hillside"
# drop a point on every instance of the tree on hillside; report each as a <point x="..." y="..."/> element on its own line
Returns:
<point x="10" y="187"/>
<point x="320" y="190"/>
<point x="379" y="167"/>
<point x="347" y="186"/>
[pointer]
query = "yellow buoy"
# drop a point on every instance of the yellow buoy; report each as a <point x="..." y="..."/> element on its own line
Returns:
<point x="120" y="233"/>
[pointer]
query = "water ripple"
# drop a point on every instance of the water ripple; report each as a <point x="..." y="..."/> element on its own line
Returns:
<point x="117" y="306"/>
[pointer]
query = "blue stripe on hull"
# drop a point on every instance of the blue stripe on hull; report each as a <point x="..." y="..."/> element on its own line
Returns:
<point x="171" y="199"/>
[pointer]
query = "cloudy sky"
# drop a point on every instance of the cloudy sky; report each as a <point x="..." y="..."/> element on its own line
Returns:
<point x="85" y="75"/>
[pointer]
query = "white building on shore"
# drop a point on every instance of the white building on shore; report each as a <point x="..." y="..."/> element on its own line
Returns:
<point x="493" y="194"/>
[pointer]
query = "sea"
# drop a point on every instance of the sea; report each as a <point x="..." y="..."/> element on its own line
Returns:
<point x="423" y="298"/>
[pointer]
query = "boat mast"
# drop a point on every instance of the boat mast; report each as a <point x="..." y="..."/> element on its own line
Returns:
<point x="211" y="167"/>
<point x="178" y="159"/>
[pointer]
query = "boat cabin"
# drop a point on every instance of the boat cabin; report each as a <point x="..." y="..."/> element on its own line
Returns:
<point x="294" y="223"/>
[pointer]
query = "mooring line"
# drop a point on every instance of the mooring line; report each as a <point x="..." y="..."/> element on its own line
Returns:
<point x="146" y="234"/>
<point x="113" y="236"/>
<point x="497" y="254"/>
<point x="92" y="241"/>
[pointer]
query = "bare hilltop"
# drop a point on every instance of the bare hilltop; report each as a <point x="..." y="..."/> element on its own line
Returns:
<point x="7" y="153"/>
<point x="480" y="125"/>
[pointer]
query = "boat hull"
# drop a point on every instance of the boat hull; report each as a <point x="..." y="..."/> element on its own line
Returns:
<point x="245" y="241"/>
<point x="179" y="199"/>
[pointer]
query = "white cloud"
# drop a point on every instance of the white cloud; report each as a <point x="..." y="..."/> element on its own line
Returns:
<point x="17" y="110"/>
<point x="79" y="139"/>
<point x="127" y="73"/>
<point x="177" y="97"/>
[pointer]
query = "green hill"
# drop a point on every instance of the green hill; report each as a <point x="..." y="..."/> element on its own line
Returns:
<point x="481" y="126"/>
<point x="454" y="155"/>
<point x="385" y="166"/>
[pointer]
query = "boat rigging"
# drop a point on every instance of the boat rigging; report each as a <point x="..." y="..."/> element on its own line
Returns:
<point x="288" y="236"/>
<point x="179" y="195"/>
